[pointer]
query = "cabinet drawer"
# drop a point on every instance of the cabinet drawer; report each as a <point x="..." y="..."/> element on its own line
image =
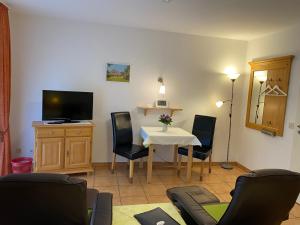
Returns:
<point x="78" y="132"/>
<point x="50" y="132"/>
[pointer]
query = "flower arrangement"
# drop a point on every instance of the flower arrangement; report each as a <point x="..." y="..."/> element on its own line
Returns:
<point x="165" y="119"/>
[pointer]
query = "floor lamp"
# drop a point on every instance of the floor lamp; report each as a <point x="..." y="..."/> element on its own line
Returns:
<point x="232" y="77"/>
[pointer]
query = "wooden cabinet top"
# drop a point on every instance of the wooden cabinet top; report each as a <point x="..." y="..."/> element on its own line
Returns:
<point x="37" y="124"/>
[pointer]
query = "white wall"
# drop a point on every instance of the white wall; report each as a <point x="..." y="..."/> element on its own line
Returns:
<point x="257" y="150"/>
<point x="65" y="55"/>
<point x="295" y="161"/>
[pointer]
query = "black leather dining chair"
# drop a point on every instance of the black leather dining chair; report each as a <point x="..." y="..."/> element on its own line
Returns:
<point x="203" y="129"/>
<point x="122" y="141"/>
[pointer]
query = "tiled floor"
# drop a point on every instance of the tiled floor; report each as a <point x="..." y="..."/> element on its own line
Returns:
<point x="220" y="182"/>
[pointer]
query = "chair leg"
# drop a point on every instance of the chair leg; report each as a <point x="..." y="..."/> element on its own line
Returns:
<point x="209" y="163"/>
<point x="175" y="156"/>
<point x="141" y="163"/>
<point x="201" y="172"/>
<point x="131" y="168"/>
<point x="113" y="163"/>
<point x="128" y="164"/>
<point x="179" y="164"/>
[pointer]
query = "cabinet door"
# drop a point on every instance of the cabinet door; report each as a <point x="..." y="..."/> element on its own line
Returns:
<point x="78" y="152"/>
<point x="50" y="154"/>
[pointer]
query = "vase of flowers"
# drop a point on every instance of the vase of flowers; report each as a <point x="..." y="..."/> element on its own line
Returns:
<point x="166" y="120"/>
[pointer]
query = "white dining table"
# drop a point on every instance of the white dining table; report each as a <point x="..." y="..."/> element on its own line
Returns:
<point x="174" y="136"/>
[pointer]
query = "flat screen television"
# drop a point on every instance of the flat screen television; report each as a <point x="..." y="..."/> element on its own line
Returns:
<point x="67" y="106"/>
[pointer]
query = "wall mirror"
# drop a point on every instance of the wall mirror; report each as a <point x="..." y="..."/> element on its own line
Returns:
<point x="268" y="93"/>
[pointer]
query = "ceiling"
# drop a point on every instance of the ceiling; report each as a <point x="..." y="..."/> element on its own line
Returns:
<point x="235" y="19"/>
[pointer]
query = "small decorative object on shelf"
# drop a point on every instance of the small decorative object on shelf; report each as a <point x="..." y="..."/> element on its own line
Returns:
<point x="166" y="120"/>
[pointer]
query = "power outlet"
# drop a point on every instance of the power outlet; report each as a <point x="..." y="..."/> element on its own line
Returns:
<point x="292" y="125"/>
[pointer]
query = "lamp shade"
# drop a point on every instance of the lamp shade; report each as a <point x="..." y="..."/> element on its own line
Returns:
<point x="231" y="72"/>
<point x="219" y="104"/>
<point x="233" y="76"/>
<point x="162" y="89"/>
<point x="261" y="76"/>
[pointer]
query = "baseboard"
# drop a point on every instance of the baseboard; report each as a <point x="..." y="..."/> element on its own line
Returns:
<point x="242" y="167"/>
<point x="166" y="164"/>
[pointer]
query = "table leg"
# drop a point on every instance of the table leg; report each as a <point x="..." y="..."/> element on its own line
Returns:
<point x="175" y="159"/>
<point x="189" y="163"/>
<point x="149" y="164"/>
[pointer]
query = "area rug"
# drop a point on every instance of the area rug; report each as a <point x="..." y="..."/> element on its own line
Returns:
<point x="124" y="215"/>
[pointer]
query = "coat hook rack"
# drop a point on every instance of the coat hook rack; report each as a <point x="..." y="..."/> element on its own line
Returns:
<point x="274" y="90"/>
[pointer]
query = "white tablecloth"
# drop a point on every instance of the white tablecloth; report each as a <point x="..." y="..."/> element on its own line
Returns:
<point x="174" y="136"/>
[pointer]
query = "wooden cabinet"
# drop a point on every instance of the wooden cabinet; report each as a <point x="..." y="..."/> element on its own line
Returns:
<point x="63" y="148"/>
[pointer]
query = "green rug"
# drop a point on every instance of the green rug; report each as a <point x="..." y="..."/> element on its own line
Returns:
<point x="123" y="215"/>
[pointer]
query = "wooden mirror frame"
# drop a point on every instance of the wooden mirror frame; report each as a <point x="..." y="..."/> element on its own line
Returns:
<point x="284" y="63"/>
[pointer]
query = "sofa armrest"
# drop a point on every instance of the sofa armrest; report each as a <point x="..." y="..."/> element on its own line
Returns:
<point x="102" y="210"/>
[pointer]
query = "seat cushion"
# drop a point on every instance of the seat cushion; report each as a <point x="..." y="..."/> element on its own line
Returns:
<point x="194" y="193"/>
<point x="131" y="152"/>
<point x="189" y="200"/>
<point x="198" y="152"/>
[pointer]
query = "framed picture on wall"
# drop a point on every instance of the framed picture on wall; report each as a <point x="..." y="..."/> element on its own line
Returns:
<point x="117" y="72"/>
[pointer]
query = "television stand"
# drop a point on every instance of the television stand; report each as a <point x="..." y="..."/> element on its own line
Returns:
<point x="63" y="148"/>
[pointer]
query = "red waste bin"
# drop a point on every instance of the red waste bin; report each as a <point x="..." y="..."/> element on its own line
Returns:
<point x="21" y="165"/>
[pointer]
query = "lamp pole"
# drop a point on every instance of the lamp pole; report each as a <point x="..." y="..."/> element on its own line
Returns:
<point x="258" y="101"/>
<point x="227" y="165"/>
<point x="232" y="76"/>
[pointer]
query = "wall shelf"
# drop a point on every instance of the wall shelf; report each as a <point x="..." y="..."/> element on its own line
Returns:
<point x="147" y="109"/>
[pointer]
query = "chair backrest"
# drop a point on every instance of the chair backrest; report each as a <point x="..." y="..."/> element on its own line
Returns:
<point x="262" y="197"/>
<point x="122" y="129"/>
<point x="35" y="199"/>
<point x="204" y="129"/>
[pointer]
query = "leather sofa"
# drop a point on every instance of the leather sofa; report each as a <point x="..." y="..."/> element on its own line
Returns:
<point x="261" y="197"/>
<point x="52" y="199"/>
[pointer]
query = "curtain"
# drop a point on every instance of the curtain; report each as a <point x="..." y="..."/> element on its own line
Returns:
<point x="5" y="79"/>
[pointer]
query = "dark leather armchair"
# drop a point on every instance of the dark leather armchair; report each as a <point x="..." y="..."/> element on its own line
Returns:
<point x="203" y="129"/>
<point x="122" y="141"/>
<point x="262" y="197"/>
<point x="52" y="199"/>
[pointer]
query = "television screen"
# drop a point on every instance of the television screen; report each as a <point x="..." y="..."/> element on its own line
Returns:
<point x="67" y="105"/>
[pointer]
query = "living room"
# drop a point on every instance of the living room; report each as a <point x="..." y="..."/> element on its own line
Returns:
<point x="182" y="54"/>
